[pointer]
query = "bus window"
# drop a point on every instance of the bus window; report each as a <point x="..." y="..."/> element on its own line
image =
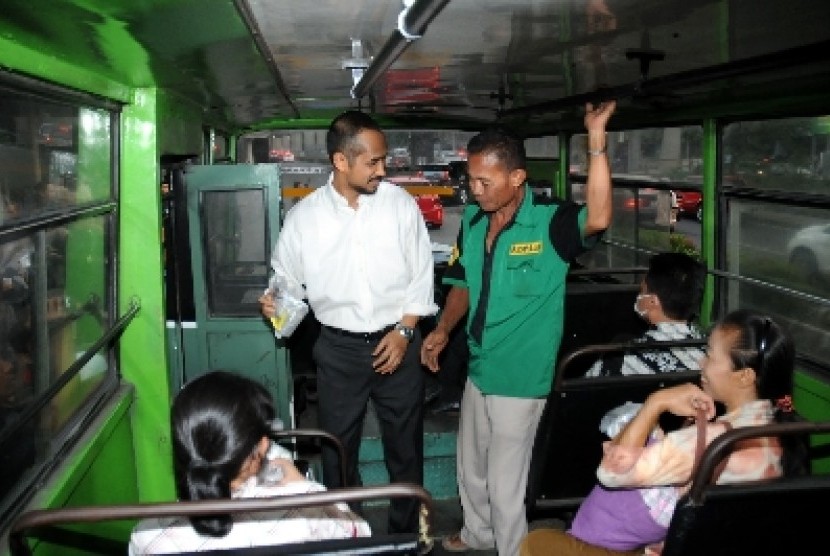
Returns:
<point x="57" y="268"/>
<point x="648" y="167"/>
<point x="776" y="224"/>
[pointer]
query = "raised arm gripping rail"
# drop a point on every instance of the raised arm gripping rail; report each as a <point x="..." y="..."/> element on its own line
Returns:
<point x="773" y="516"/>
<point x="35" y="522"/>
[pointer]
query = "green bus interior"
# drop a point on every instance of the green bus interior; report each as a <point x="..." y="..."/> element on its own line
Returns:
<point x="148" y="151"/>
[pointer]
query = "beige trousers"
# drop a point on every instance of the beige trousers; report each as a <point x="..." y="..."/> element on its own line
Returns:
<point x="495" y="439"/>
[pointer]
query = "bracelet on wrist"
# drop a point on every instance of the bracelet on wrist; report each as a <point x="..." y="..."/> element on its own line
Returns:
<point x="598" y="152"/>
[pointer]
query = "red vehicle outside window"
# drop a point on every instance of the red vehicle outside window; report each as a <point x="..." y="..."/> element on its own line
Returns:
<point x="690" y="203"/>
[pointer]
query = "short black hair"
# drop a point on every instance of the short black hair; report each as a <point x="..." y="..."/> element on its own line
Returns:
<point x="677" y="280"/>
<point x="503" y="142"/>
<point x="343" y="130"/>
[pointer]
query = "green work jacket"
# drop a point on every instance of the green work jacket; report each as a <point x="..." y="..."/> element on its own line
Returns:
<point x="517" y="292"/>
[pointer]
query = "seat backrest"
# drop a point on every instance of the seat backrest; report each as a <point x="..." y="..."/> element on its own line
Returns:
<point x="568" y="444"/>
<point x="319" y="436"/>
<point x="47" y="523"/>
<point x="777" y="516"/>
<point x="598" y="313"/>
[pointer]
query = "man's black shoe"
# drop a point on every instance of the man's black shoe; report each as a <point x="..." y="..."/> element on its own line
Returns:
<point x="447" y="407"/>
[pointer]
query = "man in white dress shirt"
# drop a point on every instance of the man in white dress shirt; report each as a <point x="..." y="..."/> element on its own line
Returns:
<point x="358" y="250"/>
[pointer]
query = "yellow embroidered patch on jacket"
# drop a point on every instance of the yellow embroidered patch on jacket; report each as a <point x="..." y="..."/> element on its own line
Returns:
<point x="531" y="248"/>
<point x="454" y="255"/>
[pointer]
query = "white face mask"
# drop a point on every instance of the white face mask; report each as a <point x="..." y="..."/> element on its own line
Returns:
<point x="637" y="309"/>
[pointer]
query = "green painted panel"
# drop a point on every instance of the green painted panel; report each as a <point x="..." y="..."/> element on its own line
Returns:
<point x="182" y="133"/>
<point x="100" y="470"/>
<point x="439" y="463"/>
<point x="143" y="354"/>
<point x="233" y="219"/>
<point x="812" y="399"/>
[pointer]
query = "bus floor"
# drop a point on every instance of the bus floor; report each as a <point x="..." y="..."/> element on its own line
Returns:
<point x="439" y="472"/>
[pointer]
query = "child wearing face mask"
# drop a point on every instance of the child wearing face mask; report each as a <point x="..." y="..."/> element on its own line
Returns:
<point x="669" y="301"/>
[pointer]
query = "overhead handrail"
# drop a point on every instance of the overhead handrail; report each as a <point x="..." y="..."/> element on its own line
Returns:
<point x="784" y="58"/>
<point x="414" y="21"/>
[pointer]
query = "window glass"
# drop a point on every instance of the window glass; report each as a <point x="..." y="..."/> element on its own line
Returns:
<point x="653" y="170"/>
<point x="786" y="248"/>
<point x="791" y="154"/>
<point x="40" y="152"/>
<point x="77" y="270"/>
<point x="237" y="258"/>
<point x="542" y="147"/>
<point x="431" y="164"/>
<point x="781" y="246"/>
<point x="220" y="148"/>
<point x="55" y="267"/>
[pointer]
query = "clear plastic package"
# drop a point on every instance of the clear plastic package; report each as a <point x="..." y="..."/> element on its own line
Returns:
<point x="613" y="422"/>
<point x="289" y="311"/>
<point x="271" y="473"/>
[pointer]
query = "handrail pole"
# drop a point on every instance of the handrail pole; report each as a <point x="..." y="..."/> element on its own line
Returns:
<point x="48" y="395"/>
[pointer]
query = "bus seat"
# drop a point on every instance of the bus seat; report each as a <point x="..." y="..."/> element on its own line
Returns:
<point x="598" y="313"/>
<point x="776" y="516"/>
<point x="568" y="444"/>
<point x="46" y="524"/>
<point x="316" y="435"/>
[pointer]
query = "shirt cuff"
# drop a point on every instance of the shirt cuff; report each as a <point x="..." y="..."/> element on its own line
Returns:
<point x="420" y="309"/>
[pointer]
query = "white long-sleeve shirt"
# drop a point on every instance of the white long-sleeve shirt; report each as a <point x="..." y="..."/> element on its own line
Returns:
<point x="360" y="269"/>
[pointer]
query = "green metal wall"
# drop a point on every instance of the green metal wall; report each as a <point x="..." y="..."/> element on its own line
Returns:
<point x="101" y="470"/>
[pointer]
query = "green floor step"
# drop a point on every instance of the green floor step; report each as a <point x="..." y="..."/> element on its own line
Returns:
<point x="440" y="433"/>
<point x="439" y="464"/>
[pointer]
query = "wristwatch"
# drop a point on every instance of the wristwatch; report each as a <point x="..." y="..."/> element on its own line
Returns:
<point x="405" y="331"/>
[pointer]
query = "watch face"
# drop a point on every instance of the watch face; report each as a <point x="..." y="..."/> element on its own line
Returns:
<point x="405" y="331"/>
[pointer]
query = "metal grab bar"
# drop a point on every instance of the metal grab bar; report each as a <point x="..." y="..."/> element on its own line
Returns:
<point x="630" y="346"/>
<point x="315" y="433"/>
<point x="49" y="394"/>
<point x="36" y="519"/>
<point x="721" y="446"/>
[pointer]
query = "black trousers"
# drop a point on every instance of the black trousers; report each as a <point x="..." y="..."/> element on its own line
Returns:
<point x="454" y="360"/>
<point x="346" y="382"/>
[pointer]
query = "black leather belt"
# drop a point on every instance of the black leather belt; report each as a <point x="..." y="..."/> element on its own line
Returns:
<point x="366" y="336"/>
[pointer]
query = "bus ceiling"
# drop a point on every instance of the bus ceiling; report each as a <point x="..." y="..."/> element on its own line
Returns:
<point x="254" y="64"/>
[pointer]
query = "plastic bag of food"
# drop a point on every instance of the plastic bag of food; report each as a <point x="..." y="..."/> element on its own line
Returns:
<point x="613" y="422"/>
<point x="289" y="311"/>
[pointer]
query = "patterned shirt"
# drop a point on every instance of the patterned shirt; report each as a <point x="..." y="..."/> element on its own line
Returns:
<point x="669" y="461"/>
<point x="175" y="534"/>
<point x="655" y="361"/>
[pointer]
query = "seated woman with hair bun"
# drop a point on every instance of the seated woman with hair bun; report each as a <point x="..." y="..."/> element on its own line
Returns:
<point x="221" y="422"/>
<point x="748" y="369"/>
